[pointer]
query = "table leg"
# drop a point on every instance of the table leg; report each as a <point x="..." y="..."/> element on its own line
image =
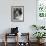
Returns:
<point x="5" y="40"/>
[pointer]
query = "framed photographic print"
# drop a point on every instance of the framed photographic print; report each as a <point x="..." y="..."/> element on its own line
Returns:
<point x="41" y="8"/>
<point x="41" y="12"/>
<point x="17" y="13"/>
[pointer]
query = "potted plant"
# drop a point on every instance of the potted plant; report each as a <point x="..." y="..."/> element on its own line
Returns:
<point x="39" y="35"/>
<point x="35" y="26"/>
<point x="38" y="27"/>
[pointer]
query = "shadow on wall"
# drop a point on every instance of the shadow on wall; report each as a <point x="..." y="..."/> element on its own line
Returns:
<point x="6" y="31"/>
<point x="32" y="30"/>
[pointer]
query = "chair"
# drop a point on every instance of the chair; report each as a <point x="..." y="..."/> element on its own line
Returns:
<point x="7" y="35"/>
<point x="26" y="41"/>
<point x="14" y="32"/>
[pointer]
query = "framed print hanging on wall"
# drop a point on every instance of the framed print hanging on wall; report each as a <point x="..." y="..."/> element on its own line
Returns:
<point x="41" y="12"/>
<point x="17" y="13"/>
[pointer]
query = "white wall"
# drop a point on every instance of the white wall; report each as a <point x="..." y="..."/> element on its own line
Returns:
<point x="29" y="15"/>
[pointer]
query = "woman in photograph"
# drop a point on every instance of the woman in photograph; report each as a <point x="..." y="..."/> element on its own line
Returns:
<point x="17" y="13"/>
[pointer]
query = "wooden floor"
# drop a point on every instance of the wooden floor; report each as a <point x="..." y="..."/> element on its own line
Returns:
<point x="13" y="44"/>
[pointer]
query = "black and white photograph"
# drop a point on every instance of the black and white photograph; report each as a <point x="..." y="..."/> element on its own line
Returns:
<point x="17" y="13"/>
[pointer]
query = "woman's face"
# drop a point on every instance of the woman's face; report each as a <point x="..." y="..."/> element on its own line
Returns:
<point x="17" y="13"/>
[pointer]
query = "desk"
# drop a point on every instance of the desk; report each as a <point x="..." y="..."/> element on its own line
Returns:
<point x="17" y="43"/>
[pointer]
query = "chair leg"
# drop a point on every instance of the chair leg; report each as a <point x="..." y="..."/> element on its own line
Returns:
<point x="5" y="40"/>
<point x="5" y="43"/>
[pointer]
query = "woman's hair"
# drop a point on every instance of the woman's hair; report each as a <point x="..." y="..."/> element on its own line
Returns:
<point x="19" y="10"/>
